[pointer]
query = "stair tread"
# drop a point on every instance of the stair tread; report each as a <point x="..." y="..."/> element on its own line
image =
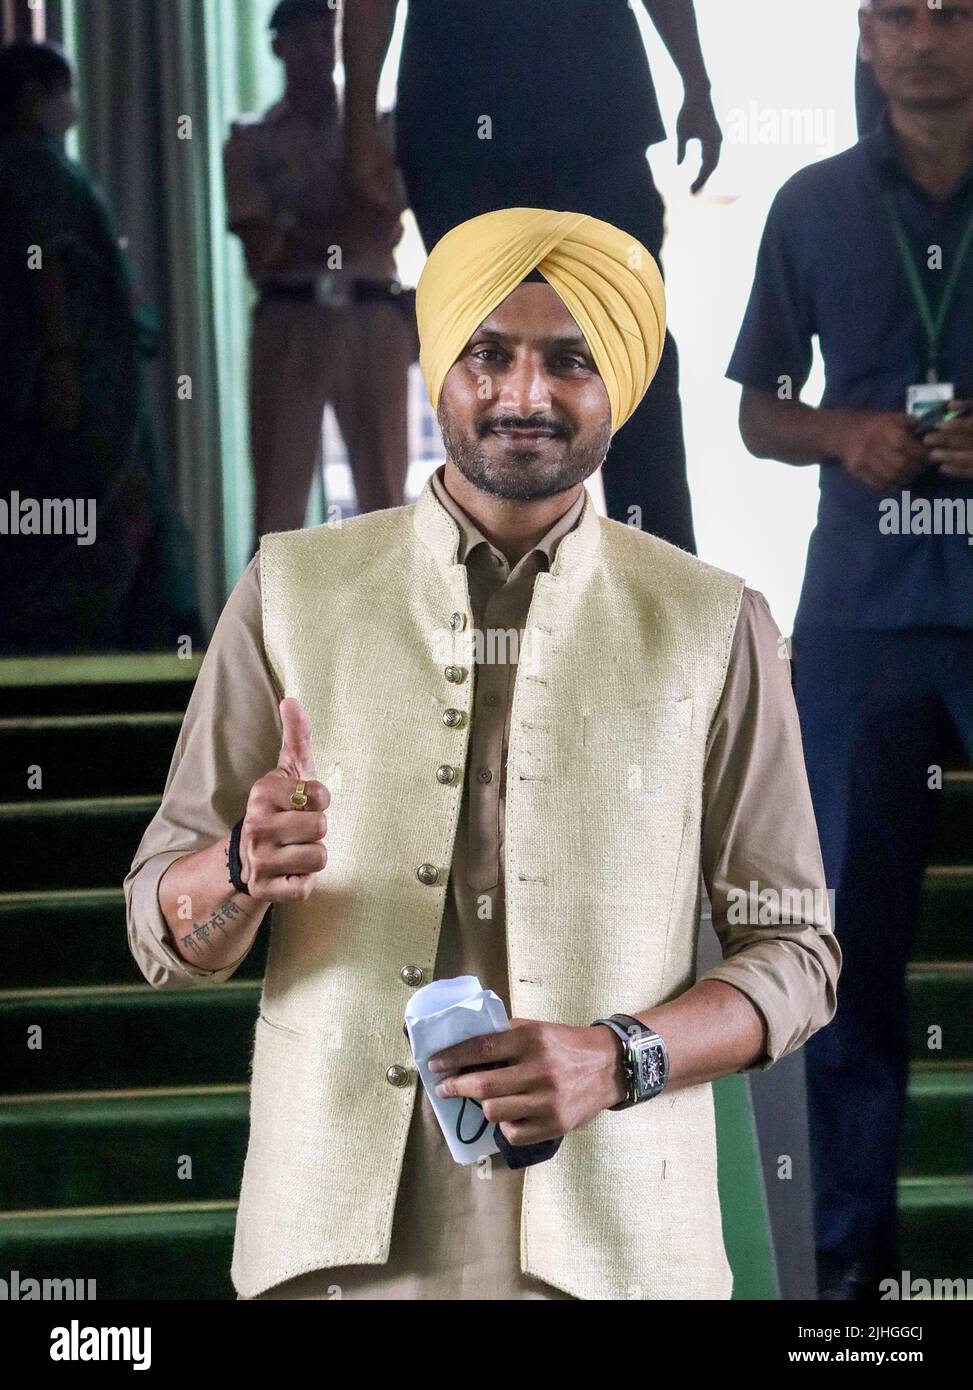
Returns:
<point x="141" y="668"/>
<point x="56" y="1225"/>
<point x="209" y="1101"/>
<point x="126" y="993"/>
<point x="61" y="897"/>
<point x="77" y="806"/>
<point x="948" y="1190"/>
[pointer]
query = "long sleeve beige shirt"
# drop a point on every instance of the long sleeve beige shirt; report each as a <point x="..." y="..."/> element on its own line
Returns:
<point x="456" y="1232"/>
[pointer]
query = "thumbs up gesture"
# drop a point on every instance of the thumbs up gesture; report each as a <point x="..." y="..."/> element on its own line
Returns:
<point x="282" y="849"/>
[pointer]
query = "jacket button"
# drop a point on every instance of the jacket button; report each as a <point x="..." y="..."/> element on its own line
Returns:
<point x="397" y="1076"/>
<point x="446" y="774"/>
<point x="457" y="622"/>
<point x="455" y="674"/>
<point x="484" y="775"/>
<point x="427" y="873"/>
<point x="411" y="975"/>
<point x="453" y="718"/>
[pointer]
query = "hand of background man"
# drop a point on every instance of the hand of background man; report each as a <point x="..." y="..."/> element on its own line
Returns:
<point x="880" y="448"/>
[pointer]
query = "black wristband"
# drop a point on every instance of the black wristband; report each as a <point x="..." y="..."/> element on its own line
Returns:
<point x="234" y="867"/>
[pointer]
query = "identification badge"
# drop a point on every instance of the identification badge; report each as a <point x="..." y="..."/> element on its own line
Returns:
<point x="926" y="398"/>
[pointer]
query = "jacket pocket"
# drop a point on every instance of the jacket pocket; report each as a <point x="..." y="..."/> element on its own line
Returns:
<point x="283" y="1028"/>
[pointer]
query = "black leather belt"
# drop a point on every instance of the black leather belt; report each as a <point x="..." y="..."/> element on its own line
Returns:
<point x="330" y="289"/>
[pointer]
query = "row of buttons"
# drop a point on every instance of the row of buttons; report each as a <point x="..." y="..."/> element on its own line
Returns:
<point x="397" y="1075"/>
<point x="453" y="719"/>
<point x="428" y="874"/>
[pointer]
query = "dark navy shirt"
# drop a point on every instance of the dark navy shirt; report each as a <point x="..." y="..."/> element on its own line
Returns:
<point x="554" y="76"/>
<point x="828" y="266"/>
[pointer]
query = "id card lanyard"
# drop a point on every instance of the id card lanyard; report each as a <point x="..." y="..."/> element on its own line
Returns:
<point x="933" y="323"/>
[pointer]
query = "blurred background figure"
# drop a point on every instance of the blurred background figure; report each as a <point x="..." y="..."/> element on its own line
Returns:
<point x="332" y="323"/>
<point x="73" y="414"/>
<point x="515" y="103"/>
<point x="872" y="251"/>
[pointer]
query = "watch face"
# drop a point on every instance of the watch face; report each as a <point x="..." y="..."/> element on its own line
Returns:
<point x="650" y="1072"/>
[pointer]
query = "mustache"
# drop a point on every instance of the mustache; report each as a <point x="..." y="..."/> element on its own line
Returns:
<point x="516" y="422"/>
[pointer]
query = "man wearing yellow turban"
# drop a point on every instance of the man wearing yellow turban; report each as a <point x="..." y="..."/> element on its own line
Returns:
<point x="532" y="729"/>
<point x="531" y="420"/>
<point x="606" y="280"/>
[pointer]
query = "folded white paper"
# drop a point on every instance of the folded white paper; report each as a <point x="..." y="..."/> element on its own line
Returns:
<point x="437" y="1016"/>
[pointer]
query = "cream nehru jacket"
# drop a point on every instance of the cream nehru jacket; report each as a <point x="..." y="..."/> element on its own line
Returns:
<point x="623" y="661"/>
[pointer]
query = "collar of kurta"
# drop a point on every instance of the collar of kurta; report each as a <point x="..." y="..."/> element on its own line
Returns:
<point x="440" y="533"/>
<point x="471" y="537"/>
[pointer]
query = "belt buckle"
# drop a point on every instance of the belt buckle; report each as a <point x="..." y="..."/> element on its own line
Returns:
<point x="330" y="289"/>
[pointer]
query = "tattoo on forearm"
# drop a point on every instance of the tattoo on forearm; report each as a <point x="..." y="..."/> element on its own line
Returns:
<point x="217" y="922"/>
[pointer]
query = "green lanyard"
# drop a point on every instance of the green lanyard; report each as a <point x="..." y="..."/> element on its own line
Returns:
<point x="933" y="323"/>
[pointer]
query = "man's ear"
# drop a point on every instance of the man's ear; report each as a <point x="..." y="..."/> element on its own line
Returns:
<point x="275" y="47"/>
<point x="864" y="36"/>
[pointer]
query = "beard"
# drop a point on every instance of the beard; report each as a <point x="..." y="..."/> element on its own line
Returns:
<point x="528" y="474"/>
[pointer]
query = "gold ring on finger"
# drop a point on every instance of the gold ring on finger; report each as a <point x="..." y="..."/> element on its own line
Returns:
<point x="299" y="797"/>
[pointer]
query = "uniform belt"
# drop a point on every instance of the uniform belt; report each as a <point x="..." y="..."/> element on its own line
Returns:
<point x="330" y="289"/>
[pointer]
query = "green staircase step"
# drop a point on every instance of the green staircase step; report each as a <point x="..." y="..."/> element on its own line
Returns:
<point x="73" y="843"/>
<point x="127" y="1036"/>
<point x="77" y="936"/>
<point x="945" y="929"/>
<point x="90" y="1151"/>
<point x="936" y="1227"/>
<point x="953" y="836"/>
<point x="180" y="1252"/>
<point x="86" y="755"/>
<point x="941" y="996"/>
<point x="147" y="681"/>
<point x="938" y="1136"/>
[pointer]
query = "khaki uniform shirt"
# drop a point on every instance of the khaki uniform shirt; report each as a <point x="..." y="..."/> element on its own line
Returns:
<point x="456" y="1231"/>
<point x="283" y="168"/>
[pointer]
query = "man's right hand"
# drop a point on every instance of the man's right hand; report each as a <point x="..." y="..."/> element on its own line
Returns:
<point x="281" y="850"/>
<point x="879" y="447"/>
<point x="370" y="175"/>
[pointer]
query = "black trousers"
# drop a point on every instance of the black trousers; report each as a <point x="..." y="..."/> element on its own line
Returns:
<point x="646" y="464"/>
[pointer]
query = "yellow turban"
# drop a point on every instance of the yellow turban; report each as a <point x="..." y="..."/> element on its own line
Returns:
<point x="606" y="279"/>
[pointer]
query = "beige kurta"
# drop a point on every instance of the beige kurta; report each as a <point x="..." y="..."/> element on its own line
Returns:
<point x="457" y="1228"/>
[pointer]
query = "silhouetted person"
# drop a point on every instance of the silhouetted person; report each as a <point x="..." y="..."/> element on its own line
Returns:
<point x="92" y="548"/>
<point x="518" y="103"/>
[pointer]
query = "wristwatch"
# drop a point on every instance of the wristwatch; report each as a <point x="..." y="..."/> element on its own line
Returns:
<point x="645" y="1059"/>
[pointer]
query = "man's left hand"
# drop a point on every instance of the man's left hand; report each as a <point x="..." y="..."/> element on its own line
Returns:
<point x="540" y="1080"/>
<point x="697" y="121"/>
<point x="951" y="446"/>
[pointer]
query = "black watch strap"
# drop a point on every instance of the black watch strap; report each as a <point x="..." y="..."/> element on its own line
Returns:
<point x="233" y="866"/>
<point x="629" y="1030"/>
